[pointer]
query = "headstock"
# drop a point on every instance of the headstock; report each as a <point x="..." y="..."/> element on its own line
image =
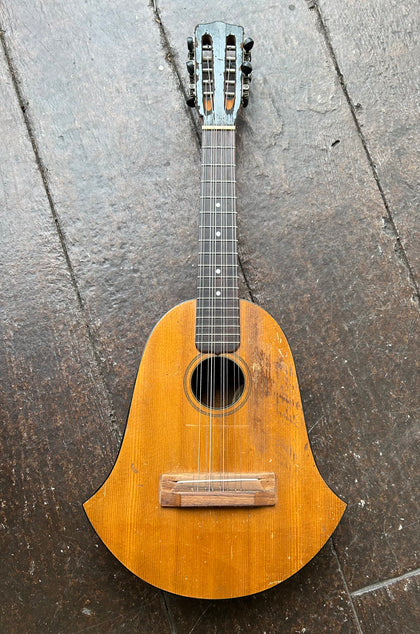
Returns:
<point x="219" y="67"/>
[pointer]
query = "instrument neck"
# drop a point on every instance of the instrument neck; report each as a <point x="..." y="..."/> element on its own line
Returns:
<point x="217" y="321"/>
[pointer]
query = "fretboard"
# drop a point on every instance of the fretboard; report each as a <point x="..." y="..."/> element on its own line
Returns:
<point x="217" y="321"/>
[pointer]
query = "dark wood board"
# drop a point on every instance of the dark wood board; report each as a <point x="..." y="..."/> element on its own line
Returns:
<point x="102" y="101"/>
<point x="56" y="432"/>
<point x="377" y="47"/>
<point x="393" y="608"/>
<point x="102" y="98"/>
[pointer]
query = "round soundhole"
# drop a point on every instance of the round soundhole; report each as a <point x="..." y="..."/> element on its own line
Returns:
<point x="217" y="382"/>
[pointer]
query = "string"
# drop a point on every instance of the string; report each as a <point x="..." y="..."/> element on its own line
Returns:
<point x="199" y="318"/>
<point x="224" y="291"/>
<point x="218" y="322"/>
<point x="224" y="268"/>
<point x="235" y="281"/>
<point x="212" y="259"/>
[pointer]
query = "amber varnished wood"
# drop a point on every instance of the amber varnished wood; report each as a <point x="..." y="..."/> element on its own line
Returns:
<point x="215" y="552"/>
<point x="220" y="489"/>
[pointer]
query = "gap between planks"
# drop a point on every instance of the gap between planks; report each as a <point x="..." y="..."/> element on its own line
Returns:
<point x="386" y="583"/>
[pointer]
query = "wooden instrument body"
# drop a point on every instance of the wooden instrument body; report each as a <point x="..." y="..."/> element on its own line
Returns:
<point x="215" y="552"/>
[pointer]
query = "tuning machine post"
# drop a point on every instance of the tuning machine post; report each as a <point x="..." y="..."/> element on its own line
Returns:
<point x="191" y="73"/>
<point x="246" y="69"/>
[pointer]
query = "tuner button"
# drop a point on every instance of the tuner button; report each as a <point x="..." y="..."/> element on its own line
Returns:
<point x="190" y="67"/>
<point x="246" y="68"/>
<point x="248" y="44"/>
<point x="245" y="101"/>
<point x="190" y="44"/>
<point x="191" y="101"/>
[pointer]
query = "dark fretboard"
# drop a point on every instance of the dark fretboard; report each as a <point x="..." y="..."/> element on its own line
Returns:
<point x="217" y="321"/>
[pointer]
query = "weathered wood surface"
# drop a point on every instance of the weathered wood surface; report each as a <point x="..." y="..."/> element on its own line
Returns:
<point x="56" y="428"/>
<point x="377" y="46"/>
<point x="395" y="607"/>
<point x="120" y="158"/>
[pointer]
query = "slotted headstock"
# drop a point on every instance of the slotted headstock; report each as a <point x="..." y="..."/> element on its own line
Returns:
<point x="220" y="70"/>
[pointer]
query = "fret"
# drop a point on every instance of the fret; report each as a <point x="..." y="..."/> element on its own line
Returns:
<point x="217" y="308"/>
<point x="219" y="277"/>
<point x="215" y="264"/>
<point x="223" y="216"/>
<point x="218" y="302"/>
<point x="214" y="260"/>
<point x="215" y="218"/>
<point x="206" y="336"/>
<point x="213" y="253"/>
<point x="210" y="342"/>
<point x="208" y="302"/>
<point x="211" y="313"/>
<point x="225" y="226"/>
<point x="216" y="173"/>
<point x="216" y="226"/>
<point x="205" y="329"/>
<point x="203" y="182"/>
<point x="225" y="311"/>
<point x="217" y="196"/>
<point x="218" y="164"/>
<point x="217" y="314"/>
<point x="220" y="318"/>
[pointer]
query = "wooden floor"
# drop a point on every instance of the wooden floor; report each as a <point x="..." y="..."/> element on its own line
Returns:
<point x="99" y="190"/>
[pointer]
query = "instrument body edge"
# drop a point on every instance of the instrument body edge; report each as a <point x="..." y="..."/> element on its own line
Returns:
<point x="215" y="552"/>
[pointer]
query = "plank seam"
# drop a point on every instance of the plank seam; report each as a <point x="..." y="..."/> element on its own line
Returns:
<point x="385" y="583"/>
<point x="200" y="618"/>
<point x="43" y="173"/>
<point x="398" y="248"/>
<point x="194" y="119"/>
<point x="168" y="613"/>
<point x="350" y="598"/>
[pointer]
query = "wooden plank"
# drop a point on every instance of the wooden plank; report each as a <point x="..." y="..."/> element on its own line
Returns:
<point x="395" y="607"/>
<point x="120" y="154"/>
<point x="56" y="434"/>
<point x="377" y="46"/>
<point x="317" y="257"/>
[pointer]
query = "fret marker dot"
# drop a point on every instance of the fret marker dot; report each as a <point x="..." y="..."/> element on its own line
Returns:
<point x="218" y="234"/>
<point x="217" y="204"/>
<point x="218" y="293"/>
<point x="218" y="271"/>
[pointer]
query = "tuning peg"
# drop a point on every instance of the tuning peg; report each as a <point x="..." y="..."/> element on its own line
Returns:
<point x="246" y="68"/>
<point x="191" y="67"/>
<point x="248" y="44"/>
<point x="245" y="101"/>
<point x="191" y="101"/>
<point x="190" y="46"/>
